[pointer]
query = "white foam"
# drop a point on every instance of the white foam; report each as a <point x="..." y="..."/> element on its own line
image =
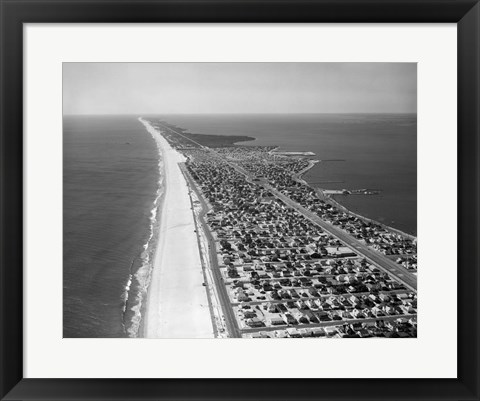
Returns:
<point x="177" y="303"/>
<point x="144" y="272"/>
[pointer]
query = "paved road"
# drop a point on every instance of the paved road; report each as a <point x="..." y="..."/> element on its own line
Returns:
<point x="230" y="319"/>
<point x="326" y="324"/>
<point x="378" y="259"/>
<point x="210" y="302"/>
<point x="321" y="297"/>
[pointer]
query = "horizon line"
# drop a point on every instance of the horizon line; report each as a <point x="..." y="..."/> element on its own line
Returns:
<point x="250" y="113"/>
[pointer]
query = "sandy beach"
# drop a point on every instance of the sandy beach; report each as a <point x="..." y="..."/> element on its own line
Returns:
<point x="177" y="303"/>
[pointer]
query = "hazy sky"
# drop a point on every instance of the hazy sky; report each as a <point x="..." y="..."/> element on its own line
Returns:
<point x="168" y="88"/>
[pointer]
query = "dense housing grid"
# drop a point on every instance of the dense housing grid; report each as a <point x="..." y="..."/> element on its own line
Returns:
<point x="286" y="260"/>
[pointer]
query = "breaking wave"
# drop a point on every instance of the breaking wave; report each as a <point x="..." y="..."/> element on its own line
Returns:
<point x="135" y="296"/>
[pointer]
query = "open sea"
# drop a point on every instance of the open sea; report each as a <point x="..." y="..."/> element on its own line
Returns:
<point x="110" y="184"/>
<point x="112" y="189"/>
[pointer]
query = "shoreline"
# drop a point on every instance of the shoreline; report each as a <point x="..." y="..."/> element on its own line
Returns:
<point x="389" y="216"/>
<point x="249" y="190"/>
<point x="373" y="221"/>
<point x="337" y="203"/>
<point x="320" y="191"/>
<point x="154" y="239"/>
<point x="176" y="302"/>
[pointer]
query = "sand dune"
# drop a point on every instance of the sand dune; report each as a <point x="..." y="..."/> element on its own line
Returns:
<point x="177" y="304"/>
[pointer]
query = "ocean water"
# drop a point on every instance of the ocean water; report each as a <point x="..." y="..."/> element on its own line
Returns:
<point x="372" y="151"/>
<point x="110" y="184"/>
<point x="112" y="189"/>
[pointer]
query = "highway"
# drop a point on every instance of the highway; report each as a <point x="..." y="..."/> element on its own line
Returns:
<point x="204" y="268"/>
<point x="230" y="319"/>
<point x="374" y="257"/>
<point x="378" y="259"/>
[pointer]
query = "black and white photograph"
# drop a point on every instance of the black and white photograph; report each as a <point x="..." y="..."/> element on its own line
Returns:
<point x="240" y="200"/>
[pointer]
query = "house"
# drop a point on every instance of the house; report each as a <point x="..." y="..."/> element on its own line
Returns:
<point x="255" y="322"/>
<point x="318" y="332"/>
<point x="249" y="314"/>
<point x="290" y="319"/>
<point x="294" y="333"/>
<point x="276" y="319"/>
<point x="242" y="297"/>
<point x="330" y="331"/>
<point x="323" y="316"/>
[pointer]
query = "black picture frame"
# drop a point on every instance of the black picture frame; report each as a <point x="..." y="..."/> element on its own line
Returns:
<point x="14" y="13"/>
